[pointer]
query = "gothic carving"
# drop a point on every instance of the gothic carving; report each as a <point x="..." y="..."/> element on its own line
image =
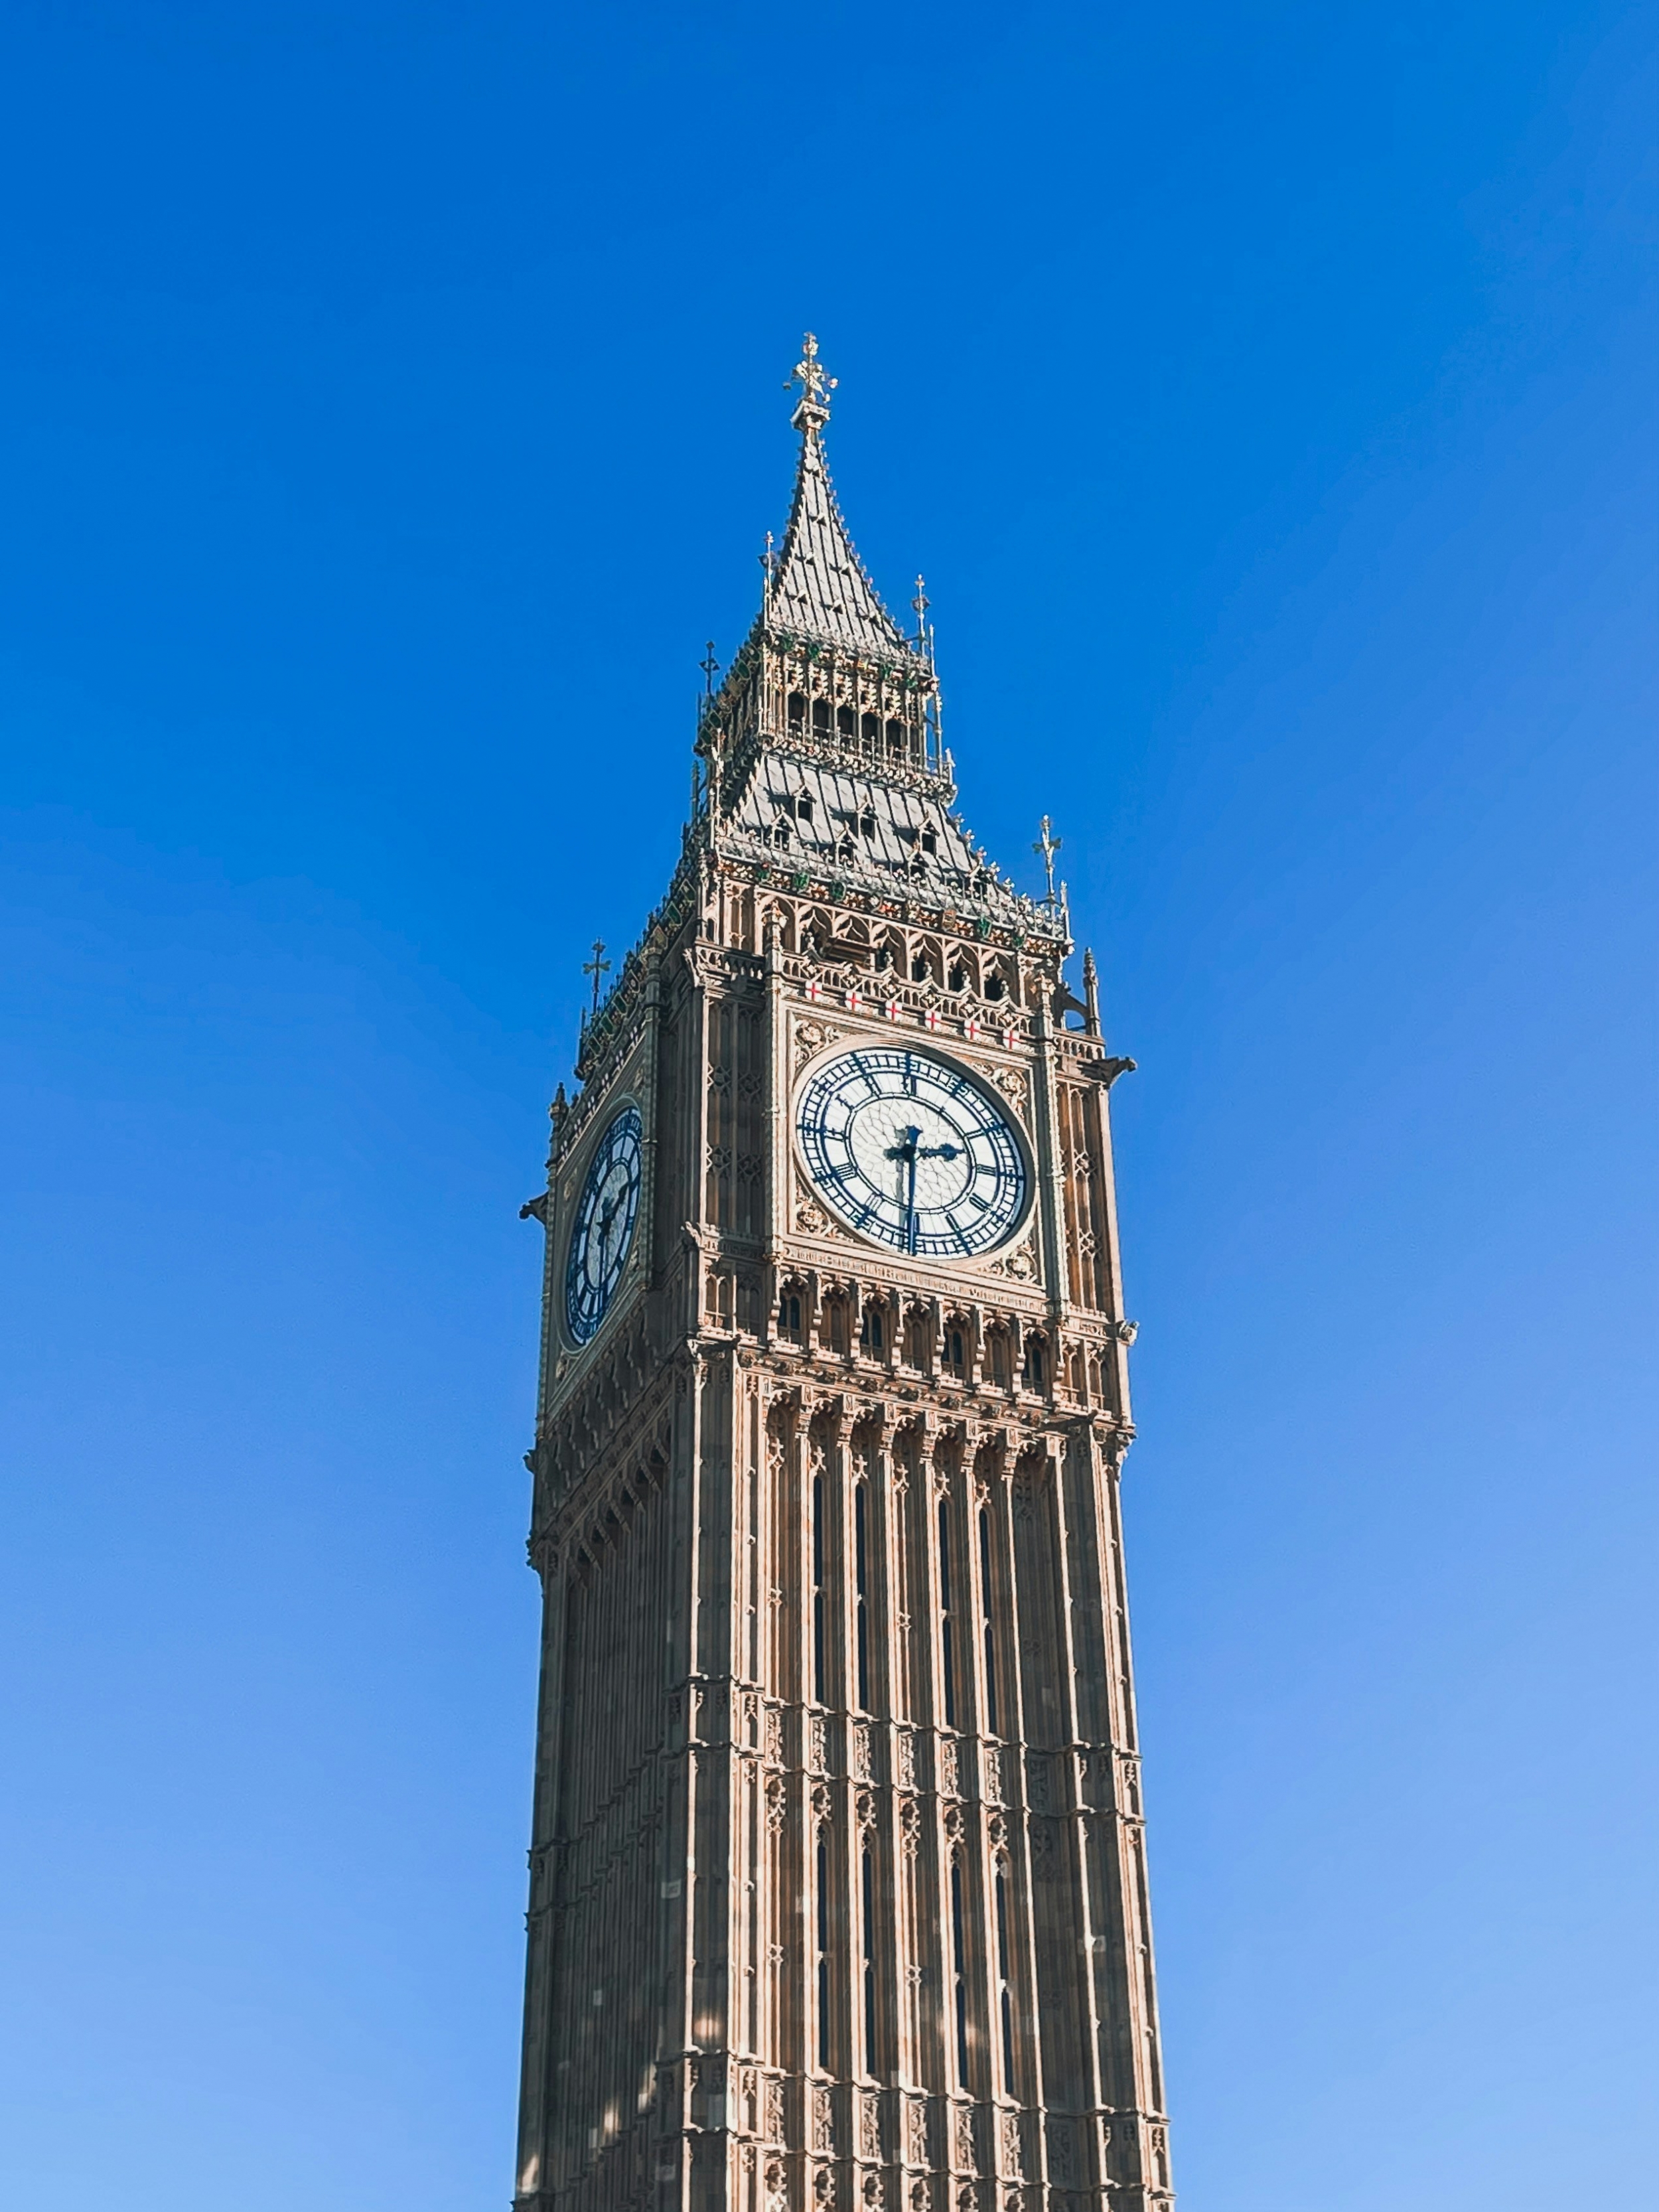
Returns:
<point x="1012" y="1085"/>
<point x="1020" y="1264"/>
<point x="869" y="2126"/>
<point x="1012" y="2150"/>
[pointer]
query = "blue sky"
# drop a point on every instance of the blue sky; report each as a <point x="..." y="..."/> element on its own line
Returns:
<point x="389" y="407"/>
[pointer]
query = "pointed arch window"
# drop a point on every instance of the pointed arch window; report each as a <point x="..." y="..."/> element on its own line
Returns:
<point x="820" y="717"/>
<point x="820" y="1624"/>
<point x="991" y="1726"/>
<point x="861" y="1590"/>
<point x="946" y="1620"/>
<point x="868" y="823"/>
<point x="1005" y="1998"/>
<point x="797" y="710"/>
<point x="868" y="1887"/>
<point x="823" y="1948"/>
<point x="959" y="1968"/>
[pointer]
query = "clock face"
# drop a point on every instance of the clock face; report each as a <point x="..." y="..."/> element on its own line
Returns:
<point x="913" y="1152"/>
<point x="604" y="1228"/>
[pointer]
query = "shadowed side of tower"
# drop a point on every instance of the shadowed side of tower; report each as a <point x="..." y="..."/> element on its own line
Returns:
<point x="838" y="1889"/>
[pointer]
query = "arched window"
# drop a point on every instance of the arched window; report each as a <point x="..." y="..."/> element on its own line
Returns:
<point x="846" y="723"/>
<point x="798" y="710"/>
<point x="835" y="1323"/>
<point x="870" y="732"/>
<point x="958" y="979"/>
<point x="896" y="738"/>
<point x="996" y="1349"/>
<point x="1005" y="2005"/>
<point x="946" y="1620"/>
<point x="781" y="836"/>
<point x="820" y="717"/>
<point x="991" y="1727"/>
<point x="959" y="1968"/>
<point x="819" y="1623"/>
<point x="1037" y="1364"/>
<point x="868" y="1887"/>
<point x="872" y="1335"/>
<point x="847" y="850"/>
<point x="823" y="1948"/>
<point x="917" y="1331"/>
<point x="956" y="1349"/>
<point x="920" y="970"/>
<point x="995" y="988"/>
<point x="789" y="1314"/>
<point x="861" y="1590"/>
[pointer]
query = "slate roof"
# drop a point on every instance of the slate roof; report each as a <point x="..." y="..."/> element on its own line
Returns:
<point x="885" y="825"/>
<point x="821" y="588"/>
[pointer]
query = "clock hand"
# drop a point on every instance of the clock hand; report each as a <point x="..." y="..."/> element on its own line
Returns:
<point x="906" y="1156"/>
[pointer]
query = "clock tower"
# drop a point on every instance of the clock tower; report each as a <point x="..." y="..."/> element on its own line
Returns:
<point x="838" y="1883"/>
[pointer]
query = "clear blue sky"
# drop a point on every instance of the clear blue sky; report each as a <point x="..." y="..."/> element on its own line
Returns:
<point x="389" y="407"/>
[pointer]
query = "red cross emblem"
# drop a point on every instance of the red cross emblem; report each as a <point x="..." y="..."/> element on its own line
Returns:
<point x="854" y="1002"/>
<point x="811" y="989"/>
<point x="930" y="1018"/>
<point x="970" y="1028"/>
<point x="892" y="1010"/>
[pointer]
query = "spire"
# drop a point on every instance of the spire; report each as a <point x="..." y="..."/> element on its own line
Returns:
<point x="818" y="586"/>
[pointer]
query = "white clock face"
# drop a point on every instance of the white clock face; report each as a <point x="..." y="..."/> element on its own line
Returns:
<point x="603" y="1227"/>
<point x="913" y="1152"/>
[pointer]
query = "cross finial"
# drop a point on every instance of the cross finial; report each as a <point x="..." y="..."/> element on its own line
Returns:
<point x="1048" y="846"/>
<point x="922" y="603"/>
<point x="813" y="412"/>
<point x="596" y="967"/>
<point x="710" y="668"/>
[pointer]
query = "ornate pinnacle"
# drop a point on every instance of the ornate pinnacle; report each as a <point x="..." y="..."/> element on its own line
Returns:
<point x="1046" y="847"/>
<point x="813" y="411"/>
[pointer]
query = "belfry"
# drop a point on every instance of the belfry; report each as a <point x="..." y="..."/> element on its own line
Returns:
<point x="838" y="1885"/>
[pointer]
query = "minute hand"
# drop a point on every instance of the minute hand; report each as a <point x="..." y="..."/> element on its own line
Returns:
<point x="909" y="1152"/>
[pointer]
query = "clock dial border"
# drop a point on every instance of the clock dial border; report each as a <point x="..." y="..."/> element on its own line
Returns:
<point x="866" y="1222"/>
<point x="583" y="1323"/>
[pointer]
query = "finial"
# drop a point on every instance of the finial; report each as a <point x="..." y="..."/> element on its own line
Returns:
<point x="769" y="561"/>
<point x="1048" y="847"/>
<point x="922" y="603"/>
<point x="813" y="412"/>
<point x="710" y="668"/>
<point x="596" y="967"/>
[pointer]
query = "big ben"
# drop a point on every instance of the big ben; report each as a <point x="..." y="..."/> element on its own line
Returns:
<point x="838" y="1881"/>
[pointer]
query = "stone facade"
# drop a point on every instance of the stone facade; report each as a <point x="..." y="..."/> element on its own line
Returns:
<point x="838" y="1885"/>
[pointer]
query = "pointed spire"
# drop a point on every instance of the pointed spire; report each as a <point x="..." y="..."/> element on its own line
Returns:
<point x="818" y="585"/>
